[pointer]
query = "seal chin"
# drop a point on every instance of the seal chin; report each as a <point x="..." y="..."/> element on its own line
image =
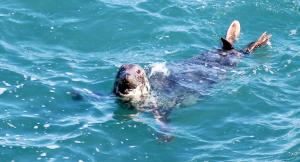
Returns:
<point x="125" y="86"/>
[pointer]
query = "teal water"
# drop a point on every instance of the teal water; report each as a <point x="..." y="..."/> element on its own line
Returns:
<point x="50" y="47"/>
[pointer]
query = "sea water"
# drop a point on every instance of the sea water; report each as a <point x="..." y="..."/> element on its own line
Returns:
<point x="50" y="47"/>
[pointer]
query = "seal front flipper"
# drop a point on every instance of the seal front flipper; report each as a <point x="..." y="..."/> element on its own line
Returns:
<point x="262" y="40"/>
<point x="233" y="32"/>
<point x="161" y="117"/>
<point x="80" y="94"/>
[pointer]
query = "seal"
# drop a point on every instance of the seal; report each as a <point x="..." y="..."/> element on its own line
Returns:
<point x="182" y="82"/>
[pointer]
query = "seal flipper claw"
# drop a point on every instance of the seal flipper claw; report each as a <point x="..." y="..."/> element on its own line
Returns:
<point x="233" y="32"/>
<point x="262" y="40"/>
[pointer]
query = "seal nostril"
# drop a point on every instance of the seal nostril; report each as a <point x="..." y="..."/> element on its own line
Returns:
<point x="127" y="77"/>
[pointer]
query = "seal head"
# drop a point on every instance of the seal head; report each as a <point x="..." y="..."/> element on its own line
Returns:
<point x="131" y="83"/>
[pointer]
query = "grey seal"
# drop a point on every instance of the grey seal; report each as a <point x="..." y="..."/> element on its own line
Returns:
<point x="186" y="80"/>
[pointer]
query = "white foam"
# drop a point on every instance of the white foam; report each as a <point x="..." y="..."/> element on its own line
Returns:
<point x="11" y="125"/>
<point x="6" y="84"/>
<point x="293" y="32"/>
<point x="269" y="43"/>
<point x="46" y="126"/>
<point x="33" y="78"/>
<point x="159" y="68"/>
<point x="53" y="147"/>
<point x="68" y="73"/>
<point x="2" y="90"/>
<point x="97" y="149"/>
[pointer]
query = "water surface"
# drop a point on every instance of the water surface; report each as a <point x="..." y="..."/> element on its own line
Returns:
<point x="50" y="47"/>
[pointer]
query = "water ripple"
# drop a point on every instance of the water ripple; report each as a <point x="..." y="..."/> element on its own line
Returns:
<point x="52" y="47"/>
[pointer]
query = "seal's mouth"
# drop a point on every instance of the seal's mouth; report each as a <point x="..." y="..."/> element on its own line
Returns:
<point x="125" y="90"/>
<point x="126" y="86"/>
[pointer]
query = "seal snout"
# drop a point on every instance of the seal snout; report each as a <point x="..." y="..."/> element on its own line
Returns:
<point x="126" y="77"/>
<point x="126" y="83"/>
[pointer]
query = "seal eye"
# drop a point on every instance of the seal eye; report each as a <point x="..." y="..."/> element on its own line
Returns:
<point x="138" y="71"/>
<point x="122" y="68"/>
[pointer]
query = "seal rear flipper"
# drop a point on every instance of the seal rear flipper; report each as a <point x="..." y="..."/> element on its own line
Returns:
<point x="226" y="45"/>
<point x="262" y="40"/>
<point x="233" y="32"/>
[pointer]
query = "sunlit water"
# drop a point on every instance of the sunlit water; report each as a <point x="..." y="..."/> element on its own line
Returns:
<point x="50" y="47"/>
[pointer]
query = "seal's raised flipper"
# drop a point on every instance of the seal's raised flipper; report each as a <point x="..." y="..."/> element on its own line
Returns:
<point x="226" y="45"/>
<point x="233" y="32"/>
<point x="262" y="40"/>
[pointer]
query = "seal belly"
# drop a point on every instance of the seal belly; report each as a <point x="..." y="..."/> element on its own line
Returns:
<point x="190" y="79"/>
